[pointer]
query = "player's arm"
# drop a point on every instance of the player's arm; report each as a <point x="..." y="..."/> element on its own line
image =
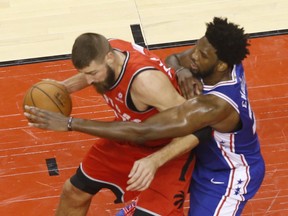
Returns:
<point x="75" y="83"/>
<point x="154" y="89"/>
<point x="181" y="62"/>
<point x="144" y="169"/>
<point x="192" y="115"/>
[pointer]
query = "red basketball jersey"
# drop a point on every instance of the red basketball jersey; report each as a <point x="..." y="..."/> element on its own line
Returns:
<point x="138" y="60"/>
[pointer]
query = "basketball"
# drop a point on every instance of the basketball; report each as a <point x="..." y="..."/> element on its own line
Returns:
<point x="49" y="95"/>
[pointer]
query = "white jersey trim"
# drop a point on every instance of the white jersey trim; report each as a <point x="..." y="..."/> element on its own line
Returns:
<point x="226" y="98"/>
<point x="148" y="211"/>
<point x="224" y="83"/>
<point x="239" y="176"/>
<point x="97" y="180"/>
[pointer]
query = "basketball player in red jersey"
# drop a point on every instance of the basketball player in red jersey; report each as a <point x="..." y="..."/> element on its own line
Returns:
<point x="136" y="85"/>
<point x="229" y="167"/>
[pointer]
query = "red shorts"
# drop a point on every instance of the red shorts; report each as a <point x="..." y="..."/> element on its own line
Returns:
<point x="107" y="165"/>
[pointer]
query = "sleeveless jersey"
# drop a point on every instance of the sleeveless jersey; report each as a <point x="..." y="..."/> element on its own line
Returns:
<point x="138" y="60"/>
<point x="231" y="159"/>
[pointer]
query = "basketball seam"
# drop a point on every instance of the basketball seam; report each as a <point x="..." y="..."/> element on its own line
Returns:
<point x="47" y="96"/>
<point x="53" y="84"/>
<point x="27" y="95"/>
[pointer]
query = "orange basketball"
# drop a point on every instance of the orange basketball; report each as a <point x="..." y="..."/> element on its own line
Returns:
<point x="49" y="95"/>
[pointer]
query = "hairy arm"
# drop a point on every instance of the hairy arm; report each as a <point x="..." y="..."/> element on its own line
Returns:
<point x="75" y="83"/>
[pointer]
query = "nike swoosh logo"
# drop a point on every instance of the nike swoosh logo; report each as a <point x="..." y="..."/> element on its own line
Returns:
<point x="216" y="182"/>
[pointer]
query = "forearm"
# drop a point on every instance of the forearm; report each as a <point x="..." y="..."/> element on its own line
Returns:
<point x="179" y="60"/>
<point x="156" y="127"/>
<point x="173" y="61"/>
<point x="174" y="149"/>
<point x="122" y="131"/>
<point x="75" y="83"/>
<point x="174" y="122"/>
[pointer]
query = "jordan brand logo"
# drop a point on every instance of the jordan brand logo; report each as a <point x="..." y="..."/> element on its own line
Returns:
<point x="216" y="182"/>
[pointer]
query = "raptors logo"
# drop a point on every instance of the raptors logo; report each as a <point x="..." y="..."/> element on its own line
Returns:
<point x="179" y="199"/>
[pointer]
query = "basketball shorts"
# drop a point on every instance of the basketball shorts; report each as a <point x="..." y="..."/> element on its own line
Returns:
<point x="224" y="192"/>
<point x="107" y="165"/>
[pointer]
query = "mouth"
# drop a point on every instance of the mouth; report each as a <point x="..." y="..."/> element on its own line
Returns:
<point x="193" y="66"/>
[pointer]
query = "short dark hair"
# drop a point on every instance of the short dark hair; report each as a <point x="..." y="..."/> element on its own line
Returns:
<point x="229" y="40"/>
<point x="88" y="47"/>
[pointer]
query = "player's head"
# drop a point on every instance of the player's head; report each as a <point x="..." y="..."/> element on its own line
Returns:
<point x="93" y="56"/>
<point x="229" y="40"/>
<point x="223" y="45"/>
<point x="89" y="47"/>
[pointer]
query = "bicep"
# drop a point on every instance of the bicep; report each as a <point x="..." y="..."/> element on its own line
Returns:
<point x="153" y="88"/>
<point x="194" y="114"/>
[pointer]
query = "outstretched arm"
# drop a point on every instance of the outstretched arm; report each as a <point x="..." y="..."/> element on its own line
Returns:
<point x="174" y="122"/>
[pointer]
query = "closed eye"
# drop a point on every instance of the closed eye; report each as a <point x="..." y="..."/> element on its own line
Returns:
<point x="91" y="72"/>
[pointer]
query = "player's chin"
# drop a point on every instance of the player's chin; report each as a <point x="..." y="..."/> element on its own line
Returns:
<point x="195" y="72"/>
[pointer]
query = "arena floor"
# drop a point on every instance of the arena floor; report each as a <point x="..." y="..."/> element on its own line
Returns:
<point x="27" y="154"/>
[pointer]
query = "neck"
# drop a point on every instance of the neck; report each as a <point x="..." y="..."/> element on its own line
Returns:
<point x="218" y="76"/>
<point x="118" y="63"/>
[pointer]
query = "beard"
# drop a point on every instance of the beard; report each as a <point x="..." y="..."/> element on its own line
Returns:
<point x="206" y="73"/>
<point x="104" y="86"/>
<point x="203" y="74"/>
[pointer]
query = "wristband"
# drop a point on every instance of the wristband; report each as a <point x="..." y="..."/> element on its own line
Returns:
<point x="203" y="134"/>
<point x="179" y="69"/>
<point x="69" y="124"/>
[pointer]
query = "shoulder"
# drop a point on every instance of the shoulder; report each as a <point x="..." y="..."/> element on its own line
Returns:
<point x="150" y="79"/>
<point x="155" y="89"/>
<point x="120" y="44"/>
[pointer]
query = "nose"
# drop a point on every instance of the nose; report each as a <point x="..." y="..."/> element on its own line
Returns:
<point x="195" y="54"/>
<point x="89" y="79"/>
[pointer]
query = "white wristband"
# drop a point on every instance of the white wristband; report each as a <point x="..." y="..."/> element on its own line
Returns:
<point x="69" y="124"/>
<point x="179" y="69"/>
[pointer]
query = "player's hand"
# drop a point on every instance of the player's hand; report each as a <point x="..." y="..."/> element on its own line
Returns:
<point x="189" y="85"/>
<point x="142" y="174"/>
<point x="44" y="119"/>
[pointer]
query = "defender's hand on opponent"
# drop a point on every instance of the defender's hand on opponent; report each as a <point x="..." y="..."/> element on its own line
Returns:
<point x="142" y="174"/>
<point x="44" y="119"/>
<point x="189" y="85"/>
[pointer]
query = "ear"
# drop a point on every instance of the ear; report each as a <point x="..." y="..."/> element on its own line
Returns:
<point x="222" y="66"/>
<point x="110" y="58"/>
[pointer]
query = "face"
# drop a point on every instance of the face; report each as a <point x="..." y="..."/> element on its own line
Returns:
<point x="100" y="76"/>
<point x="203" y="58"/>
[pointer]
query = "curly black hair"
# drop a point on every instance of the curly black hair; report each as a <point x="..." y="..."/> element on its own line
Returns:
<point x="229" y="40"/>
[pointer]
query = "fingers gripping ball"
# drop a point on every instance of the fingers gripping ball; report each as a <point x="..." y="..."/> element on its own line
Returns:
<point x="49" y="95"/>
